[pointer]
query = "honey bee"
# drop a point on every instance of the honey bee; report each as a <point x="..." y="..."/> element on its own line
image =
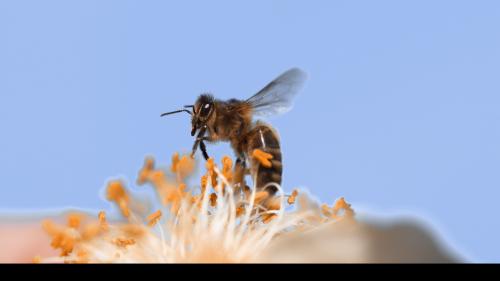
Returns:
<point x="214" y="120"/>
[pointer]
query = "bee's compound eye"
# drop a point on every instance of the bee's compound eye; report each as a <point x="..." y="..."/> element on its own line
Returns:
<point x="205" y="109"/>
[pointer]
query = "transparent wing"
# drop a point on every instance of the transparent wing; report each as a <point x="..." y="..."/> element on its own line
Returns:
<point x="277" y="96"/>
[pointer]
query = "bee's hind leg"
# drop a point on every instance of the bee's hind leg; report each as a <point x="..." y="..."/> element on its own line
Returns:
<point x="240" y="169"/>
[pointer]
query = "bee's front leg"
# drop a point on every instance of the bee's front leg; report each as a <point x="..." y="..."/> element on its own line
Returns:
<point x="198" y="141"/>
<point x="205" y="139"/>
<point x="203" y="147"/>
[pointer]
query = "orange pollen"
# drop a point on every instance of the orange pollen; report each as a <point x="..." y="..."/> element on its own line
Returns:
<point x="341" y="204"/>
<point x="83" y="256"/>
<point x="50" y="227"/>
<point x="240" y="211"/>
<point x="204" y="181"/>
<point x="145" y="172"/>
<point x="157" y="177"/>
<point x="124" y="208"/>
<point x="124" y="242"/>
<point x="102" y="220"/>
<point x="175" y="162"/>
<point x="90" y="231"/>
<point x="74" y="220"/>
<point x="133" y="230"/>
<point x="210" y="165"/>
<point x="154" y="218"/>
<point x="326" y="210"/>
<point x="213" y="199"/>
<point x="185" y="166"/>
<point x="260" y="196"/>
<point x="116" y="192"/>
<point x="291" y="199"/>
<point x="263" y="157"/>
<point x="273" y="204"/>
<point x="266" y="218"/>
<point x="182" y="187"/>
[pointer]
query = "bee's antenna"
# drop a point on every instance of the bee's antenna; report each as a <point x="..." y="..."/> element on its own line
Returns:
<point x="190" y="106"/>
<point x="177" y="111"/>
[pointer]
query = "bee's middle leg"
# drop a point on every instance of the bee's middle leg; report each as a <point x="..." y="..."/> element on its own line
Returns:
<point x="204" y="150"/>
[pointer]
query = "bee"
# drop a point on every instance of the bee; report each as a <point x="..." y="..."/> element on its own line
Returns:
<point x="232" y="121"/>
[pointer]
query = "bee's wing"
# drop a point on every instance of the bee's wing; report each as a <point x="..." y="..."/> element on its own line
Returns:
<point x="277" y="96"/>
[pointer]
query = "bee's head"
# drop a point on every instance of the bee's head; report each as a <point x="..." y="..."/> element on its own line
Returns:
<point x="203" y="109"/>
<point x="201" y="113"/>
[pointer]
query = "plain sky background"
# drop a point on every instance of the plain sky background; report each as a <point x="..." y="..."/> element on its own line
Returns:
<point x="400" y="112"/>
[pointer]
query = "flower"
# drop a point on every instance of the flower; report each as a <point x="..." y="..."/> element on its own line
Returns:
<point x="218" y="224"/>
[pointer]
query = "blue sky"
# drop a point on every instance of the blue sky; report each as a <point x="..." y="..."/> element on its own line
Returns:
<point x="400" y="111"/>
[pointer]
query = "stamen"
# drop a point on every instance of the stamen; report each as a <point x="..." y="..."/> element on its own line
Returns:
<point x="224" y="226"/>
<point x="154" y="218"/>
<point x="292" y="198"/>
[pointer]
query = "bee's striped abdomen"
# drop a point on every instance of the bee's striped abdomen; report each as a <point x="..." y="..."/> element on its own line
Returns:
<point x="263" y="137"/>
